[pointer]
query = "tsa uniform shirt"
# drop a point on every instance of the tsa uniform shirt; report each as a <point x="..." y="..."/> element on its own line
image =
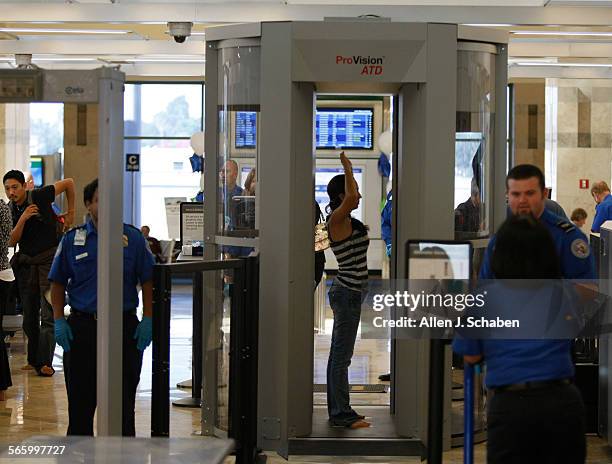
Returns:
<point x="603" y="213"/>
<point x="75" y="266"/>
<point x="571" y="245"/>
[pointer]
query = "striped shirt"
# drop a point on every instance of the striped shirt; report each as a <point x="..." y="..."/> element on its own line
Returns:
<point x="351" y="254"/>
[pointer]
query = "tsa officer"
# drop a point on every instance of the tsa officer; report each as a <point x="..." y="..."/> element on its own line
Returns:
<point x="527" y="195"/>
<point x="603" y="210"/>
<point x="74" y="271"/>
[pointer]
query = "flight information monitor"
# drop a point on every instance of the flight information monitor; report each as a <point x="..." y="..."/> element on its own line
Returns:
<point x="344" y="128"/>
<point x="246" y="129"/>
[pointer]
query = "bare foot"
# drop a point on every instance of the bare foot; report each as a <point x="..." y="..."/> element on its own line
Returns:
<point x="2" y="395"/>
<point x="27" y="367"/>
<point x="46" y="371"/>
<point x="360" y="424"/>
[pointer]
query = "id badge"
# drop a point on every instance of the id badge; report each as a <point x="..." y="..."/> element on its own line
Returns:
<point x="79" y="237"/>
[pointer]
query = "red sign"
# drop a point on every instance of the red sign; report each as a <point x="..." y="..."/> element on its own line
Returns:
<point x="584" y="183"/>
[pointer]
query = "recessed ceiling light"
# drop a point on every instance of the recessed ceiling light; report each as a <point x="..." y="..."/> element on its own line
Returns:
<point x="489" y="25"/>
<point x="33" y="30"/>
<point x="564" y="33"/>
<point x="563" y="65"/>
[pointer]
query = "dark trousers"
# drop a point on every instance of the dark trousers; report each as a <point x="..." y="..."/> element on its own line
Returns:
<point x="543" y="426"/>
<point x="80" y="374"/>
<point x="38" y="323"/>
<point x="5" y="369"/>
<point x="346" y="305"/>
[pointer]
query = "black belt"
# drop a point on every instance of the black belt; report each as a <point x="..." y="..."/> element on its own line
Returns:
<point x="94" y="315"/>
<point x="531" y="385"/>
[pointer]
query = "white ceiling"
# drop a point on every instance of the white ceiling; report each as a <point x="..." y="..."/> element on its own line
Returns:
<point x="146" y="49"/>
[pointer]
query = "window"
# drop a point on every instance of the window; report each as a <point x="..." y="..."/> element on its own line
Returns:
<point x="159" y="121"/>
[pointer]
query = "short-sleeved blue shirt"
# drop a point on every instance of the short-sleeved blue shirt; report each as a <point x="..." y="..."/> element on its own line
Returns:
<point x="75" y="266"/>
<point x="571" y="245"/>
<point x="517" y="361"/>
<point x="603" y="213"/>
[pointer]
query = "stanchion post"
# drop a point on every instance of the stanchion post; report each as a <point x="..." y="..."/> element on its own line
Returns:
<point x="436" y="402"/>
<point x="160" y="388"/>
<point x="196" y="355"/>
<point x="468" y="413"/>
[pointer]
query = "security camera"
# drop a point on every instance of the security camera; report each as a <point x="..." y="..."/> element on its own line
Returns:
<point x="180" y="31"/>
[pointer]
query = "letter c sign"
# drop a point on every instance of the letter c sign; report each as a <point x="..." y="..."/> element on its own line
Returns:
<point x="132" y="162"/>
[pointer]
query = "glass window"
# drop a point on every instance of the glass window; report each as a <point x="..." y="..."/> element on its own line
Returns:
<point x="163" y="110"/>
<point x="46" y="128"/>
<point x="165" y="173"/>
<point x="159" y="122"/>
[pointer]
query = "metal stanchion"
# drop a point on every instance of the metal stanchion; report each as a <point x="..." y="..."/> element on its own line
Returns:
<point x="468" y="413"/>
<point x="436" y="402"/>
<point x="160" y="388"/>
<point x="195" y="401"/>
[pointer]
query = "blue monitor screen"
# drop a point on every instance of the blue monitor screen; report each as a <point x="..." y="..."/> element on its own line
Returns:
<point x="36" y="168"/>
<point x="246" y="129"/>
<point x="349" y="128"/>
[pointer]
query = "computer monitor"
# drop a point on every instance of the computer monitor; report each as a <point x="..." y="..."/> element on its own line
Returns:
<point x="37" y="169"/>
<point x="245" y="130"/>
<point x="439" y="259"/>
<point x="344" y="128"/>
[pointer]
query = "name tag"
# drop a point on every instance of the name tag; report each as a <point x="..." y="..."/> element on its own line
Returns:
<point x="81" y="256"/>
<point x="79" y="237"/>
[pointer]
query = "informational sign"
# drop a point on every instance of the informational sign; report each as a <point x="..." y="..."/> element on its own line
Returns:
<point x="192" y="223"/>
<point x="132" y="162"/>
<point x="344" y="128"/>
<point x="173" y="216"/>
<point x="584" y="183"/>
<point x="322" y="178"/>
<point x="246" y="129"/>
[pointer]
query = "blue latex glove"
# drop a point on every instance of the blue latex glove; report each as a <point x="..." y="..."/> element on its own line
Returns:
<point x="63" y="333"/>
<point x="388" y="250"/>
<point x="144" y="333"/>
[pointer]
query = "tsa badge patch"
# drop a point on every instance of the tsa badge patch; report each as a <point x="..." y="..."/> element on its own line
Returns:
<point x="580" y="248"/>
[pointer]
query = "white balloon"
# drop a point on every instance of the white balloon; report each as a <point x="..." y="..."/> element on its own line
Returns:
<point x="197" y="143"/>
<point x="385" y="143"/>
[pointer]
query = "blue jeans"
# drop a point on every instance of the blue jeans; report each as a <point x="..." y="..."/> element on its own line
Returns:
<point x="346" y="305"/>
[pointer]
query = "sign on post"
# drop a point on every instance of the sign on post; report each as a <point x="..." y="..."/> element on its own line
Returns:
<point x="132" y="162"/>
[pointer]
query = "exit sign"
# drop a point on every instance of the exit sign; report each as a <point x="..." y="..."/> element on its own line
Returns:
<point x="584" y="183"/>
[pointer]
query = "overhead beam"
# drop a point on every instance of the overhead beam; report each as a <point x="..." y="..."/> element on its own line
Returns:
<point x="204" y="12"/>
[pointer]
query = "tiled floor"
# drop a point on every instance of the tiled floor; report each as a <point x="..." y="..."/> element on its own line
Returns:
<point x="38" y="406"/>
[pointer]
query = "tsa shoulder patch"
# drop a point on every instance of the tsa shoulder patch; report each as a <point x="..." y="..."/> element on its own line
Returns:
<point x="566" y="226"/>
<point x="580" y="248"/>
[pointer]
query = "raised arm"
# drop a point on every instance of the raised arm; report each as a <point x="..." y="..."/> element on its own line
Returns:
<point x="67" y="185"/>
<point x="350" y="200"/>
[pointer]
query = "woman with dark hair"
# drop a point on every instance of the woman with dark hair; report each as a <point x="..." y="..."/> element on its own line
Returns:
<point x="6" y="278"/>
<point x="535" y="413"/>
<point x="349" y="242"/>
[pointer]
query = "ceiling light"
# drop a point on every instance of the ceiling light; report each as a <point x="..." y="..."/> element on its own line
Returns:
<point x="564" y="33"/>
<point x="489" y="25"/>
<point x="17" y="30"/>
<point x="165" y="60"/>
<point x="563" y="65"/>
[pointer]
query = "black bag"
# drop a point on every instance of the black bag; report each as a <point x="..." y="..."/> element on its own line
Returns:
<point x="319" y="255"/>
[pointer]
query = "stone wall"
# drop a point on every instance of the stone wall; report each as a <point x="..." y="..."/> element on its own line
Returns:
<point x="579" y="139"/>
